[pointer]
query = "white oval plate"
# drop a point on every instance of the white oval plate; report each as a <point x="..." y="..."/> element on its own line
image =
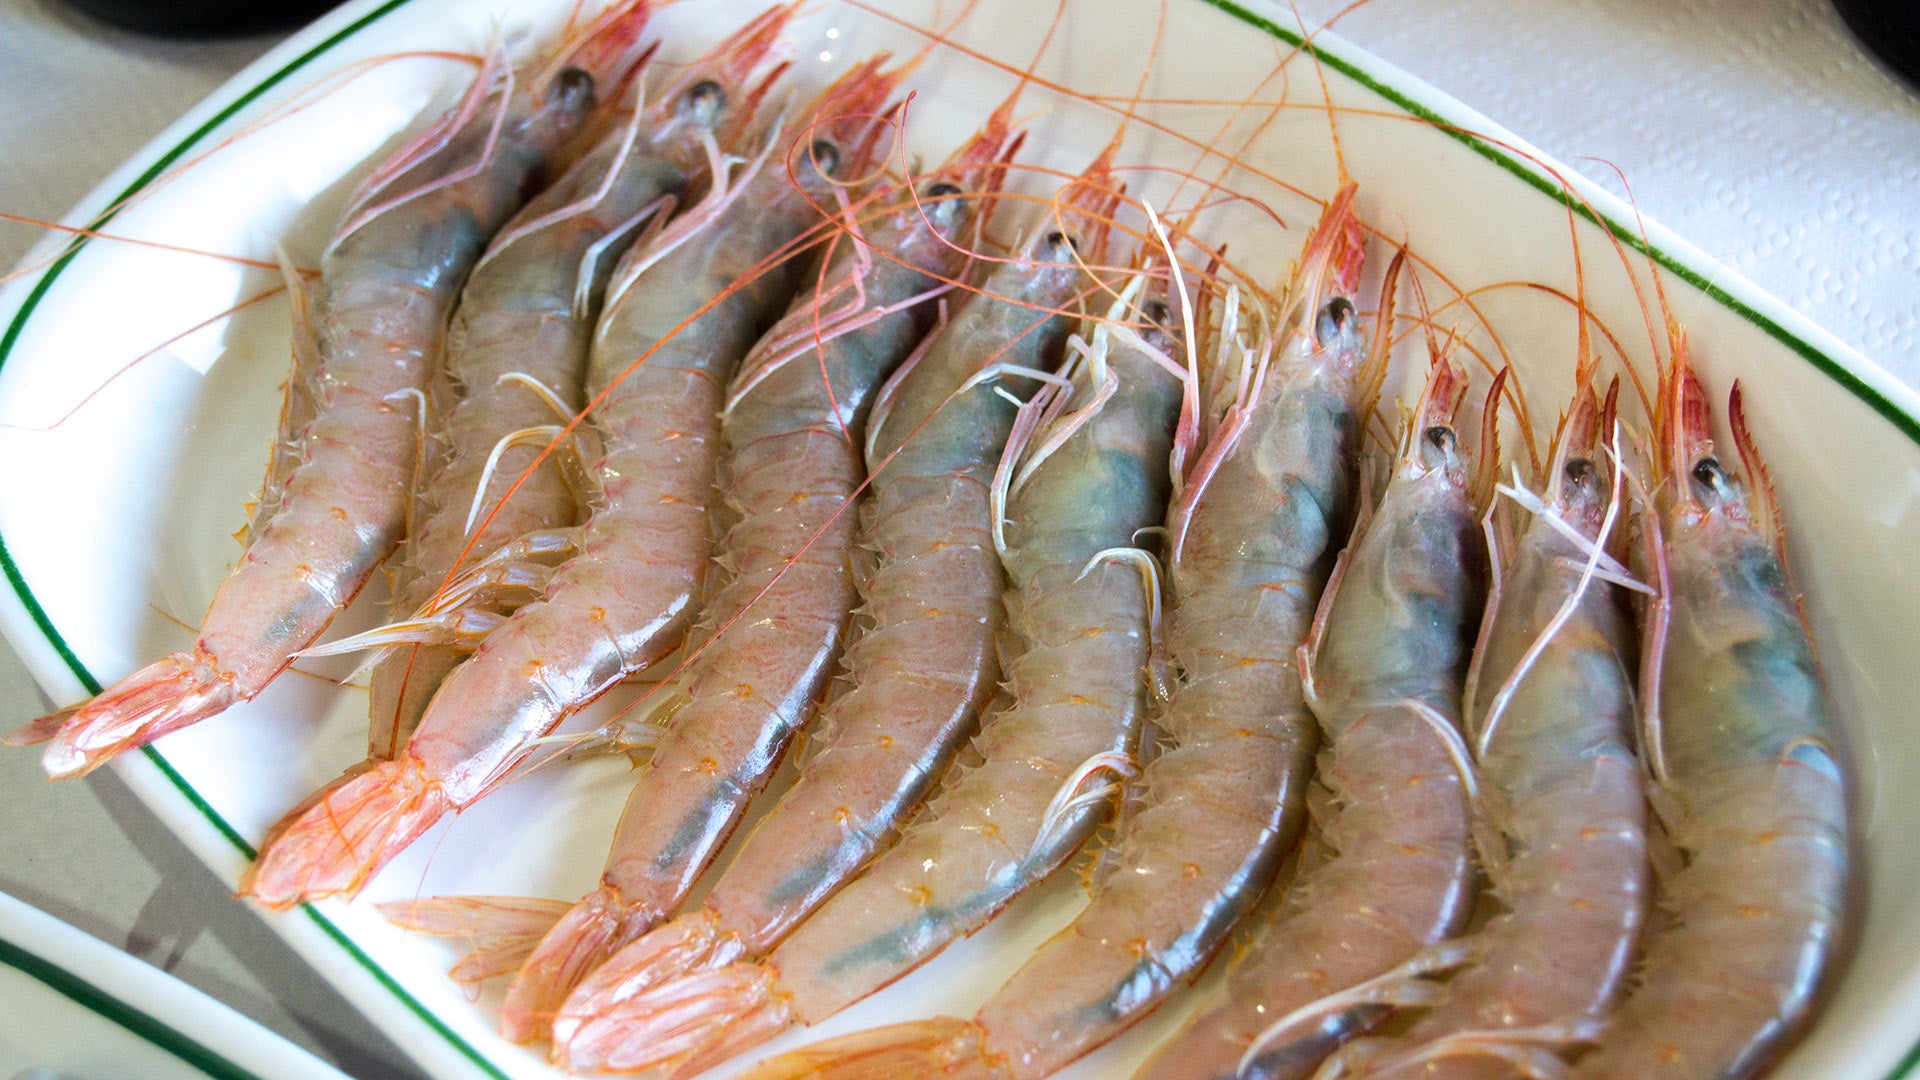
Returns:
<point x="80" y="1009"/>
<point x="115" y="522"/>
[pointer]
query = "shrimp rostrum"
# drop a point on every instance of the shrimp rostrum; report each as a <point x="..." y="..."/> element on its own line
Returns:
<point x="336" y="499"/>
<point x="1738" y="736"/>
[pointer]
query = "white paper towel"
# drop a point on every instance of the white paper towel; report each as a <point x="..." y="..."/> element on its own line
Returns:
<point x="1757" y="129"/>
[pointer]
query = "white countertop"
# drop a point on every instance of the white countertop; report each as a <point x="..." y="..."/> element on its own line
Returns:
<point x="1754" y="128"/>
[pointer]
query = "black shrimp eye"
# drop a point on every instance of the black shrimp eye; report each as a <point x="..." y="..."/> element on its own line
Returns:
<point x="826" y="156"/>
<point x="574" y="85"/>
<point x="706" y="98"/>
<point x="1157" y="312"/>
<point x="1058" y="241"/>
<point x="943" y="190"/>
<point x="1333" y="319"/>
<point x="1581" y="473"/>
<point x="1708" y="473"/>
<point x="1340" y="310"/>
<point x="1440" y="438"/>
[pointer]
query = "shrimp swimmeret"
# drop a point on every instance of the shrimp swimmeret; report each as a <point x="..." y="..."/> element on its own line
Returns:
<point x="792" y="467"/>
<point x="680" y="315"/>
<point x="336" y="504"/>
<point x="518" y="350"/>
<point x="934" y="441"/>
<point x="1551" y="699"/>
<point x="1747" y="784"/>
<point x="1384" y="678"/>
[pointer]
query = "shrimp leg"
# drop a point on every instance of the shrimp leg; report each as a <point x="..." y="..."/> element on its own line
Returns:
<point x="660" y="359"/>
<point x="918" y="676"/>
<point x="1385" y="686"/>
<point x="1747" y="782"/>
<point x="794" y="467"/>
<point x="387" y="280"/>
<point x="1552" y="707"/>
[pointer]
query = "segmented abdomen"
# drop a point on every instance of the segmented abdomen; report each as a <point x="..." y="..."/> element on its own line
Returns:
<point x="916" y="678"/>
<point x="1757" y="800"/>
<point x="1561" y="782"/>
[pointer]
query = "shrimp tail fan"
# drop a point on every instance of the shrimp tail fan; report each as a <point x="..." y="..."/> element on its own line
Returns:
<point x="502" y="930"/>
<point x="610" y="1024"/>
<point x="581" y="940"/>
<point x="166" y="695"/>
<point x="611" y="944"/>
<point x="343" y="838"/>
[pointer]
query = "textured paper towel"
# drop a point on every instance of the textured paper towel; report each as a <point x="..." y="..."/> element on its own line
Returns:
<point x="1757" y="129"/>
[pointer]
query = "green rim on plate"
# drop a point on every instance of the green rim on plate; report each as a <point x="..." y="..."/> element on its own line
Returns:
<point x="155" y="1031"/>
<point x="1905" y="422"/>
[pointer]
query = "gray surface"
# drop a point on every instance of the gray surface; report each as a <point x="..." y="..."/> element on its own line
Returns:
<point x="1750" y="126"/>
<point x="80" y="99"/>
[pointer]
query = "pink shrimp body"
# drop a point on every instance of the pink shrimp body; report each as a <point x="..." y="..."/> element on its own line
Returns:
<point x="387" y="280"/>
<point x="917" y="677"/>
<point x="1393" y="639"/>
<point x="793" y="466"/>
<point x="1221" y="804"/>
<point x="661" y="356"/>
<point x="526" y="314"/>
<point x="1552" y="708"/>
<point x="1748" y="784"/>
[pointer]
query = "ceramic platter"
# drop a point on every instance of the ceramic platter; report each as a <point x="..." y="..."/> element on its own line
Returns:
<point x="124" y="479"/>
<point x="80" y="1009"/>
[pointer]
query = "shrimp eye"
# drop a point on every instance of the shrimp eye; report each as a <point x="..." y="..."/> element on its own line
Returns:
<point x="574" y="86"/>
<point x="705" y="99"/>
<point x="946" y="207"/>
<point x="1440" y="437"/>
<point x="1058" y="240"/>
<point x="1157" y="313"/>
<point x="1710" y="476"/>
<point x="1708" y="473"/>
<point x="1333" y="319"/>
<point x="826" y="156"/>
<point x="1581" y="473"/>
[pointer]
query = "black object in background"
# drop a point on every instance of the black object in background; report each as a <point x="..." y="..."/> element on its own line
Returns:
<point x="204" y="18"/>
<point x="1891" y="29"/>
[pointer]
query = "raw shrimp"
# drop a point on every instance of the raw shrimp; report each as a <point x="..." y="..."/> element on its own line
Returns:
<point x="916" y="677"/>
<point x="518" y="347"/>
<point x="661" y="356"/>
<point x="1552" y="708"/>
<point x="1739" y="741"/>
<point x="1219" y="807"/>
<point x="337" y="505"/>
<point x="794" y="467"/>
<point x="1384" y="681"/>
